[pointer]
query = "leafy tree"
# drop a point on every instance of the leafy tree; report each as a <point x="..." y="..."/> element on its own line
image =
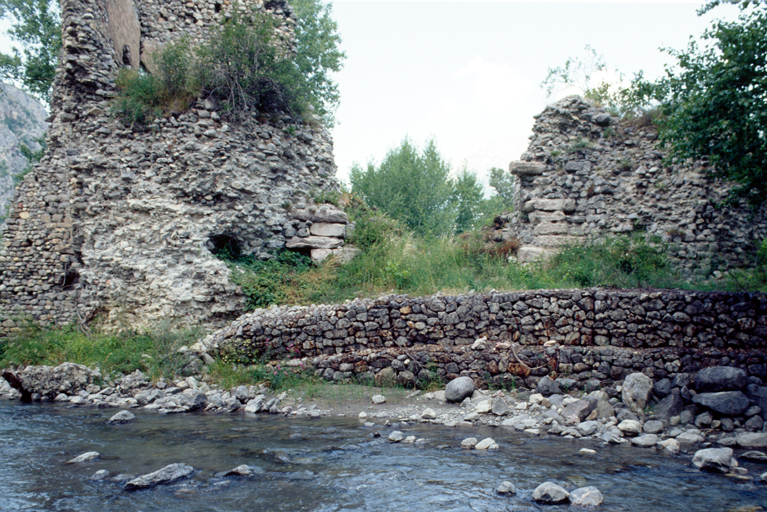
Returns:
<point x="503" y="182"/>
<point x="318" y="54"/>
<point x="411" y="186"/>
<point x="468" y="201"/>
<point x="36" y="26"/>
<point x="714" y="102"/>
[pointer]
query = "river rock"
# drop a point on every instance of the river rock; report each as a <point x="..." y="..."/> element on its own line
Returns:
<point x="645" y="440"/>
<point x="166" y="475"/>
<point x="484" y="406"/>
<point x="378" y="399"/>
<point x="121" y="417"/>
<point x="720" y="378"/>
<point x="506" y="487"/>
<point x="428" y="414"/>
<point x="636" y="392"/>
<point x="581" y="408"/>
<point x="752" y="440"/>
<point x="670" y="446"/>
<point x="714" y="459"/>
<point x="586" y="497"/>
<point x="630" y="427"/>
<point x="244" y="470"/>
<point x="652" y="427"/>
<point x="500" y="407"/>
<point x="396" y="436"/>
<point x="458" y="389"/>
<point x="587" y="428"/>
<point x="99" y="475"/>
<point x="755" y="456"/>
<point x="758" y="395"/>
<point x="548" y="386"/>
<point x="668" y="407"/>
<point x="485" y="444"/>
<point x="469" y="442"/>
<point x="730" y="403"/>
<point x="690" y="437"/>
<point x="549" y="492"/>
<point x="85" y="457"/>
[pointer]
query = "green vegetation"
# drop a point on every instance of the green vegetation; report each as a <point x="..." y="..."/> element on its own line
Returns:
<point x="416" y="188"/>
<point x="245" y="67"/>
<point x="36" y="27"/>
<point x="153" y="352"/>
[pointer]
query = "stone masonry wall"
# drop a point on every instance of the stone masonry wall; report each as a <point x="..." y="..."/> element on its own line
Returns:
<point x="587" y="174"/>
<point x="122" y="221"/>
<point x="592" y="337"/>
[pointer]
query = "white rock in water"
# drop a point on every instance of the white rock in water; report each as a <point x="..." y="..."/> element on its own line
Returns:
<point x="506" y="487"/>
<point x="396" y="436"/>
<point x="244" y="470"/>
<point x="363" y="415"/>
<point x="99" y="475"/>
<point x="166" y="475"/>
<point x="670" y="446"/>
<point x="549" y="492"/>
<point x="429" y="414"/>
<point x="121" y="417"/>
<point x="85" y="457"/>
<point x="586" y="497"/>
<point x="378" y="399"/>
<point x="469" y="442"/>
<point x="587" y="451"/>
<point x="485" y="444"/>
<point x="645" y="441"/>
<point x="714" y="459"/>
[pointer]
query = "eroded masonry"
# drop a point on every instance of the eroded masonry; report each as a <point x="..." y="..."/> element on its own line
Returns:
<point x="122" y="221"/>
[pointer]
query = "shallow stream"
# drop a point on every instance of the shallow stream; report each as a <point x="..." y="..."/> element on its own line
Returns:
<point x="330" y="464"/>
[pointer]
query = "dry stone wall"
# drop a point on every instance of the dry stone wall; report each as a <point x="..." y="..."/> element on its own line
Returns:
<point x="588" y="174"/>
<point x="123" y="221"/>
<point x="592" y="337"/>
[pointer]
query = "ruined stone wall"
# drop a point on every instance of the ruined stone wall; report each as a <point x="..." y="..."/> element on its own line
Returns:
<point x="593" y="337"/>
<point x="121" y="220"/>
<point x="587" y="174"/>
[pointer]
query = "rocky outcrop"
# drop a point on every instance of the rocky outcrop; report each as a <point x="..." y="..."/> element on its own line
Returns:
<point x="587" y="174"/>
<point x="22" y="121"/>
<point x="37" y="382"/>
<point x="124" y="221"/>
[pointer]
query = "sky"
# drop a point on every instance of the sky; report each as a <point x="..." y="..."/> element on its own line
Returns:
<point x="468" y="73"/>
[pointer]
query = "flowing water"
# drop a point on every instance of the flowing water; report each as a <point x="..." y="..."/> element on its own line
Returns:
<point x="331" y="464"/>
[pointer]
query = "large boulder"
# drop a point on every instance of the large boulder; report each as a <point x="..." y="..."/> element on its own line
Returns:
<point x="581" y="408"/>
<point x="720" y="378"/>
<point x="458" y="389"/>
<point x="758" y="395"/>
<point x="729" y="403"/>
<point x="714" y="459"/>
<point x="752" y="441"/>
<point x="636" y="392"/>
<point x="49" y="381"/>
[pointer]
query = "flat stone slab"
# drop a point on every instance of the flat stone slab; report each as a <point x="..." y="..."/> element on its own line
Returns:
<point x="166" y="475"/>
<point x="313" y="242"/>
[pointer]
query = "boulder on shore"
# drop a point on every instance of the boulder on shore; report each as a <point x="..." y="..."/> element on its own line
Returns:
<point x="637" y="389"/>
<point x="458" y="389"/>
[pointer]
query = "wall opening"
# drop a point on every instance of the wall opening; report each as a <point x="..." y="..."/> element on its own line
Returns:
<point x="225" y="246"/>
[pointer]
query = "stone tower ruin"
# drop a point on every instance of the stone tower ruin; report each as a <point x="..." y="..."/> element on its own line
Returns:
<point x="122" y="222"/>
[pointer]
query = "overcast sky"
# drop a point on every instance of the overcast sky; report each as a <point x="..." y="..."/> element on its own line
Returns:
<point x="468" y="73"/>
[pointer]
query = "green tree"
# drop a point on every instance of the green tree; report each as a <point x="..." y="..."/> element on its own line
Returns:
<point x="714" y="101"/>
<point x="503" y="182"/>
<point x="36" y="27"/>
<point x="468" y="200"/>
<point x="318" y="54"/>
<point x="411" y="186"/>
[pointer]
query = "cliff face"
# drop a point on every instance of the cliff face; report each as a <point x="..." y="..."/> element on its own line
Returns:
<point x="587" y="174"/>
<point x="22" y="121"/>
<point x="122" y="222"/>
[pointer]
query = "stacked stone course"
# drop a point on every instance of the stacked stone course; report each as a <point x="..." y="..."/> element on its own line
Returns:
<point x="593" y="336"/>
<point x="121" y="220"/>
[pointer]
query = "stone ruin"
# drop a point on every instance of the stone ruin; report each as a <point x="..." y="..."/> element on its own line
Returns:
<point x="587" y="174"/>
<point x="123" y="222"/>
